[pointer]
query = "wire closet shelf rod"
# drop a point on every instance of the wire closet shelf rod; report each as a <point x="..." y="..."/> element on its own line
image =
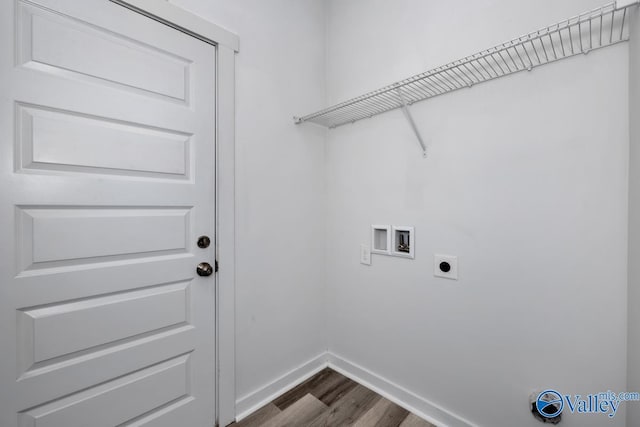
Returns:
<point x="598" y="28"/>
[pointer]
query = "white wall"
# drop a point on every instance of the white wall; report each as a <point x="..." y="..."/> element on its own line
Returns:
<point x="526" y="182"/>
<point x="280" y="193"/>
<point x="633" y="365"/>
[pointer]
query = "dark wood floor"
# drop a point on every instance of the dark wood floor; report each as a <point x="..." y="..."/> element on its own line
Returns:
<point x="330" y="399"/>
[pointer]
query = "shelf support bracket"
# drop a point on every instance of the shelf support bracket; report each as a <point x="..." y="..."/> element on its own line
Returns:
<point x="412" y="123"/>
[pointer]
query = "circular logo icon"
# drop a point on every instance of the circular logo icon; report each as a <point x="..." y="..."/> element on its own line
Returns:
<point x="549" y="403"/>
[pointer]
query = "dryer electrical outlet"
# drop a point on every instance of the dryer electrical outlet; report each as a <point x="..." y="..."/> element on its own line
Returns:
<point x="445" y="266"/>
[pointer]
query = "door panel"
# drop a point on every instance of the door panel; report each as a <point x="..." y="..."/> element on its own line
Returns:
<point x="73" y="235"/>
<point x="63" y="329"/>
<point x="134" y="394"/>
<point x="47" y="140"/>
<point x="106" y="178"/>
<point x="87" y="51"/>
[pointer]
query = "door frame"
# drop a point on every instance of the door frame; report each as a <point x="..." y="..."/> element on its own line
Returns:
<point x="227" y="45"/>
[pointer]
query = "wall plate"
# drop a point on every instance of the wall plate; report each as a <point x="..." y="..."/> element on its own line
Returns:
<point x="365" y="254"/>
<point x="445" y="266"/>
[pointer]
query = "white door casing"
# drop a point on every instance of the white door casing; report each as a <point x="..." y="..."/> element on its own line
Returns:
<point x="106" y="180"/>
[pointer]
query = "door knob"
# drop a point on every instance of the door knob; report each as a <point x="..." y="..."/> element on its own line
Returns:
<point x="204" y="269"/>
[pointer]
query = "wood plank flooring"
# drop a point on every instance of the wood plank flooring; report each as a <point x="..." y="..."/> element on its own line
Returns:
<point x="330" y="399"/>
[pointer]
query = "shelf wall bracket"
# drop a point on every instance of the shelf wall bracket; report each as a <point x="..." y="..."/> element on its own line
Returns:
<point x="412" y="123"/>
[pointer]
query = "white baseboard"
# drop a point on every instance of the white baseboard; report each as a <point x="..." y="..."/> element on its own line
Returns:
<point x="397" y="394"/>
<point x="257" y="399"/>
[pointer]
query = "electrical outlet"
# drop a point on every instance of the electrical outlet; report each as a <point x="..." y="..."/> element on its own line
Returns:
<point x="445" y="266"/>
<point x="365" y="255"/>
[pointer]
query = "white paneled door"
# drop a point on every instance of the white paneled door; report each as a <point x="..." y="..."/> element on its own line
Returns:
<point x="106" y="175"/>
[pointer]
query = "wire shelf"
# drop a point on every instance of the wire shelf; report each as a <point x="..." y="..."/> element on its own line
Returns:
<point x="598" y="28"/>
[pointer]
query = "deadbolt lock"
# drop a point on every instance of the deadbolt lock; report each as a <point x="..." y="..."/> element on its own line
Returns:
<point x="204" y="242"/>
